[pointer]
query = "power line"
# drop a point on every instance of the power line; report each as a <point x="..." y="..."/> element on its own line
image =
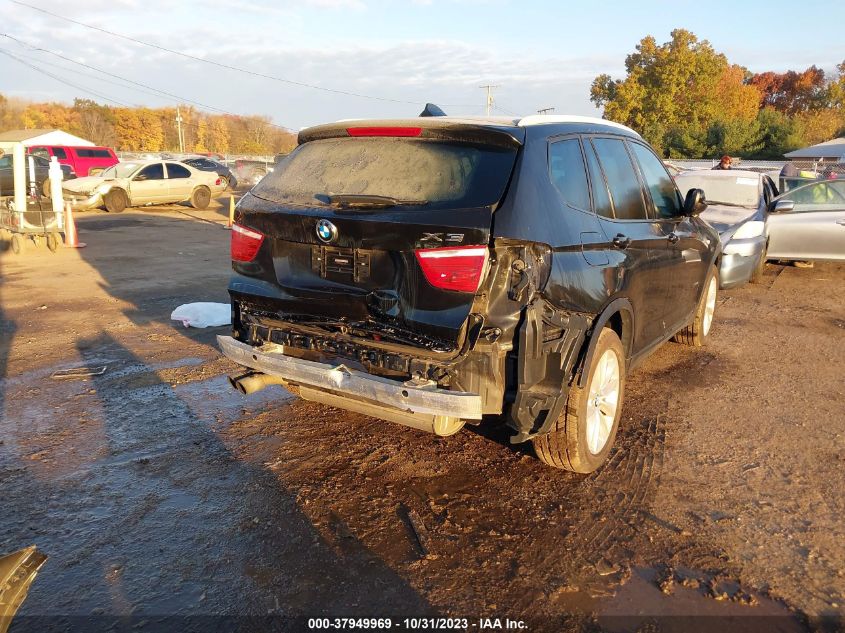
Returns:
<point x="224" y="65"/>
<point x="67" y="83"/>
<point x="136" y="83"/>
<point x="88" y="90"/>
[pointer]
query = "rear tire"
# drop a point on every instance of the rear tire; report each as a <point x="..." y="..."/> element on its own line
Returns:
<point x="115" y="201"/>
<point x="201" y="197"/>
<point x="46" y="188"/>
<point x="584" y="432"/>
<point x="695" y="334"/>
<point x="52" y="241"/>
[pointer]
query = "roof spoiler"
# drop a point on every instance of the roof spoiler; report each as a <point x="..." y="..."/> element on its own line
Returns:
<point x="432" y="110"/>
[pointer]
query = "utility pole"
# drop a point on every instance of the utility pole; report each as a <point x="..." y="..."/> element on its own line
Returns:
<point x="489" y="89"/>
<point x="179" y="131"/>
<point x="545" y="110"/>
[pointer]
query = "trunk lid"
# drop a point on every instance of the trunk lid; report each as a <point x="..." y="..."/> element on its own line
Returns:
<point x="383" y="237"/>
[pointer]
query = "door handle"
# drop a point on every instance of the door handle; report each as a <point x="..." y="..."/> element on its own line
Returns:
<point x="673" y="238"/>
<point x="841" y="222"/>
<point x="621" y="241"/>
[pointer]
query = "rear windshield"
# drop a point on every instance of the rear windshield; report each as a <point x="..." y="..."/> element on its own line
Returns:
<point x="441" y="174"/>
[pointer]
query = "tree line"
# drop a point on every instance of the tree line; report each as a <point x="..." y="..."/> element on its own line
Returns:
<point x="149" y="129"/>
<point x="689" y="101"/>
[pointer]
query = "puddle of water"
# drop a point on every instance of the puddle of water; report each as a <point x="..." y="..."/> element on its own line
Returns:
<point x="687" y="610"/>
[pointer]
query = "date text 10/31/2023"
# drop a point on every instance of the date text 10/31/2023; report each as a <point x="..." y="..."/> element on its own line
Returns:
<point x="416" y="624"/>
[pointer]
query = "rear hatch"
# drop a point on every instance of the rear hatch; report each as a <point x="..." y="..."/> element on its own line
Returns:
<point x="376" y="231"/>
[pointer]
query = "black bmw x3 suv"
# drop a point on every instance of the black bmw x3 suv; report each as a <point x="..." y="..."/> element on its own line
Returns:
<point x="441" y="271"/>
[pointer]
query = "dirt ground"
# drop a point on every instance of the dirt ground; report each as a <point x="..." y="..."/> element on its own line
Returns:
<point x="167" y="501"/>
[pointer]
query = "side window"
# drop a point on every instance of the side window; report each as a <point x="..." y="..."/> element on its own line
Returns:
<point x="664" y="194"/>
<point x="60" y="153"/>
<point x="6" y="161"/>
<point x="598" y="185"/>
<point x="151" y="172"/>
<point x="767" y="192"/>
<point x="566" y="169"/>
<point x="826" y="195"/>
<point x="177" y="171"/>
<point x="621" y="179"/>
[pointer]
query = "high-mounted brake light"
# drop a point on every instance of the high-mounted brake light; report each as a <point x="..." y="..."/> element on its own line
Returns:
<point x="384" y="131"/>
<point x="245" y="243"/>
<point x="457" y="269"/>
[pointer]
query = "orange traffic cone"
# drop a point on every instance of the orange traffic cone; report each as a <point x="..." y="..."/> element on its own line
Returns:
<point x="71" y="238"/>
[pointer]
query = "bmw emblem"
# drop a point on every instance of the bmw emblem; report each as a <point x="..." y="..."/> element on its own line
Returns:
<point x="326" y="231"/>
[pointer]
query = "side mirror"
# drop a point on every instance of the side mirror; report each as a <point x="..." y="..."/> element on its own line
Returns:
<point x="695" y="202"/>
<point x="782" y="206"/>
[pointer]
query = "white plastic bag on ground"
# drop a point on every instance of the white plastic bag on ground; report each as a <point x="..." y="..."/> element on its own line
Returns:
<point x="203" y="314"/>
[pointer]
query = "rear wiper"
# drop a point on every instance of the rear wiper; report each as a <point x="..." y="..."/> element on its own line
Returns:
<point x="360" y="200"/>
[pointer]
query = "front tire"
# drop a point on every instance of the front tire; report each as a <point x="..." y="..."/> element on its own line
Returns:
<point x="759" y="269"/>
<point x="201" y="197"/>
<point x="115" y="201"/>
<point x="584" y="432"/>
<point x="695" y="334"/>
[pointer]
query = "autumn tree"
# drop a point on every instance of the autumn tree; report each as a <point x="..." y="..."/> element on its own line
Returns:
<point x="682" y="96"/>
<point x="95" y="122"/>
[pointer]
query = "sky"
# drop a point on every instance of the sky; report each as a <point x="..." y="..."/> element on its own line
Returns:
<point x="399" y="54"/>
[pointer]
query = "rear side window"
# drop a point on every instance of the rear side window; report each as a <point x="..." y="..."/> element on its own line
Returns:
<point x="601" y="199"/>
<point x="566" y="169"/>
<point x="93" y="153"/>
<point x="441" y="174"/>
<point x="660" y="184"/>
<point x="621" y="179"/>
<point x="59" y="152"/>
<point x="177" y="171"/>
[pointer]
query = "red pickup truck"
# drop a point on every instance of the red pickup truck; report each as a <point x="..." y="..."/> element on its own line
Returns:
<point x="82" y="159"/>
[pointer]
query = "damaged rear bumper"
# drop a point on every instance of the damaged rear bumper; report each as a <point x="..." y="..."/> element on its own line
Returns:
<point x="418" y="404"/>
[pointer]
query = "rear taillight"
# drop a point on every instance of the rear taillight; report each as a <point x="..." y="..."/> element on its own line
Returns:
<point x="218" y="181"/>
<point x="245" y="243"/>
<point x="456" y="269"/>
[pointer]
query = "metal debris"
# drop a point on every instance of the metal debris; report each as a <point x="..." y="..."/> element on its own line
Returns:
<point x="79" y="372"/>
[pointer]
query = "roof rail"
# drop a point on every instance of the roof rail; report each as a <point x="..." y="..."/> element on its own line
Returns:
<point x="540" y="119"/>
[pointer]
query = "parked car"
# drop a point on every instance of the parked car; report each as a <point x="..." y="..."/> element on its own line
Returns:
<point x="206" y="164"/>
<point x="808" y="223"/>
<point x="433" y="271"/>
<point x="42" y="173"/>
<point x="249" y="172"/>
<point x="133" y="184"/>
<point x="737" y="207"/>
<point x="85" y="161"/>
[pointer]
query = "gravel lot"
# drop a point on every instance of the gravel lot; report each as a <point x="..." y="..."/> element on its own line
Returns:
<point x="162" y="497"/>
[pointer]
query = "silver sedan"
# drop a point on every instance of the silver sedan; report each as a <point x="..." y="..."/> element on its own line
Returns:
<point x="808" y="222"/>
<point x="737" y="207"/>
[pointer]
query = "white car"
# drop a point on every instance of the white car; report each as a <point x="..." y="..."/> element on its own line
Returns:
<point x="137" y="183"/>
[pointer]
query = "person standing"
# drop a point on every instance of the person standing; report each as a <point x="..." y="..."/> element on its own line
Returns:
<point x="724" y="163"/>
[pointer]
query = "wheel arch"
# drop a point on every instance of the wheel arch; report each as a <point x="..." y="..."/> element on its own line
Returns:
<point x="618" y="315"/>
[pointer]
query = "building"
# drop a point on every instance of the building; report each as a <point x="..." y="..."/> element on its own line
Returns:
<point x="44" y="137"/>
<point x="830" y="152"/>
